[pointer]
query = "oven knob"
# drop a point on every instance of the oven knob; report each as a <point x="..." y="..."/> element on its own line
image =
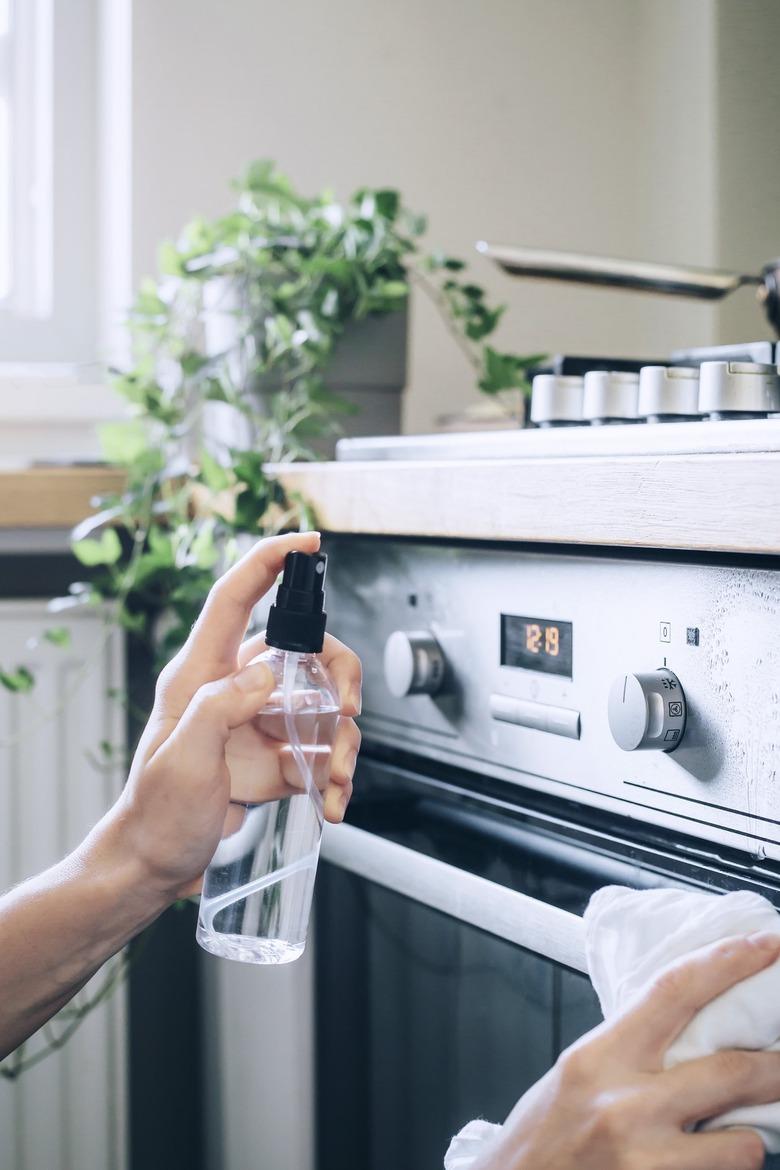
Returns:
<point x="556" y="400"/>
<point x="609" y="397"/>
<point x="738" y="389"/>
<point x="414" y="664"/>
<point x="668" y="393"/>
<point x="647" y="711"/>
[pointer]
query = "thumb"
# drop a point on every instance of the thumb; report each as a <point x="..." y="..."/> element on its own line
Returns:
<point x="215" y="709"/>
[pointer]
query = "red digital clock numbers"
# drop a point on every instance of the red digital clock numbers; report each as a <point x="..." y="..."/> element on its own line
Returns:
<point x="543" y="639"/>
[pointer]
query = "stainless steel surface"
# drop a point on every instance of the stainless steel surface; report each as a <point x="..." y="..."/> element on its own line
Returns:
<point x="745" y="351"/>
<point x="682" y="438"/>
<point x="674" y="279"/>
<point x="414" y="664"/>
<point x="546" y="930"/>
<point x="609" y="396"/>
<point x="647" y="711"/>
<point x="542" y="716"/>
<point x="668" y="391"/>
<point x="556" y="399"/>
<point x="716" y="626"/>
<point x="738" y="388"/>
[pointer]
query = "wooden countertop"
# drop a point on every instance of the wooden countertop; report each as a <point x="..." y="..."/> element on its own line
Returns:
<point x="727" y="502"/>
<point x="52" y="497"/>
<point x="704" y="501"/>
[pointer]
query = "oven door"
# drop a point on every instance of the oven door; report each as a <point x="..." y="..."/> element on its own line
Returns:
<point x="450" y="954"/>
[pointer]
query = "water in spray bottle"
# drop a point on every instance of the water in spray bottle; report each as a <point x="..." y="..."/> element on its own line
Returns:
<point x="258" y="887"/>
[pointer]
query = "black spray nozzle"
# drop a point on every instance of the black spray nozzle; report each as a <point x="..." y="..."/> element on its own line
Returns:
<point x="296" y="620"/>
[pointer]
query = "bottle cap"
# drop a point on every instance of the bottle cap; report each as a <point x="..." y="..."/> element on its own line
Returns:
<point x="296" y="620"/>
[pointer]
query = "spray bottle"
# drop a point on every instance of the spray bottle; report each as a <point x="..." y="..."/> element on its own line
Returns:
<point x="258" y="887"/>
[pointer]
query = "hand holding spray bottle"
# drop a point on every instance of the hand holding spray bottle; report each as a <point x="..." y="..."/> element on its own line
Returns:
<point x="258" y="888"/>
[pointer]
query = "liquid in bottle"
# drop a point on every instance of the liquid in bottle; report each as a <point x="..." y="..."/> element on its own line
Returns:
<point x="258" y="888"/>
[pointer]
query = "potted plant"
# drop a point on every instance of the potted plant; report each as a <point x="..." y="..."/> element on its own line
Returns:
<point x="233" y="345"/>
<point x="239" y="350"/>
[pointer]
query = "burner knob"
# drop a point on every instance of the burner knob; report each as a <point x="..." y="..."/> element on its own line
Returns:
<point x="414" y="664"/>
<point x="668" y="394"/>
<point x="609" y="397"/>
<point x="647" y="711"/>
<point x="556" y="400"/>
<point x="738" y="389"/>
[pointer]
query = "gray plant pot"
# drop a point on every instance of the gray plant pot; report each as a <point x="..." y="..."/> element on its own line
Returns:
<point x="368" y="370"/>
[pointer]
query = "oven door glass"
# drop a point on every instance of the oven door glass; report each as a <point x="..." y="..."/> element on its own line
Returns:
<point x="424" y="1022"/>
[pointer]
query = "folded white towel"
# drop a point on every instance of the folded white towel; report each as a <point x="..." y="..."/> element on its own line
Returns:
<point x="632" y="935"/>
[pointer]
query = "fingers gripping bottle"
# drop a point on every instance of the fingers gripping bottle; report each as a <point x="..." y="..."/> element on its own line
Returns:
<point x="258" y="887"/>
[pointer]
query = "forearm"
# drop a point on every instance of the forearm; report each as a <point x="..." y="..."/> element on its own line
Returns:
<point x="58" y="928"/>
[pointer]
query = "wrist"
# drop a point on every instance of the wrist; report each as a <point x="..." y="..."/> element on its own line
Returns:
<point x="118" y="872"/>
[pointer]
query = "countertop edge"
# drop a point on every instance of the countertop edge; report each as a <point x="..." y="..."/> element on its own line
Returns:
<point x="700" y="502"/>
<point x="46" y="498"/>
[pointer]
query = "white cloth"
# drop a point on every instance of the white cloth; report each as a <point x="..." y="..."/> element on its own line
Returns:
<point x="468" y="1144"/>
<point x="630" y="936"/>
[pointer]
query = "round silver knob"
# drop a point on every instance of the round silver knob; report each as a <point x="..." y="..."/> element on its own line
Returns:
<point x="414" y="663"/>
<point x="556" y="400"/>
<point x="609" y="396"/>
<point x="647" y="711"/>
<point x="668" y="393"/>
<point x="734" y="389"/>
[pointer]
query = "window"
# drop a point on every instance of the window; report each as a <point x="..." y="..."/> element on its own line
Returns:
<point x="65" y="218"/>
<point x="26" y="77"/>
<point x="49" y="177"/>
<point x="5" y="157"/>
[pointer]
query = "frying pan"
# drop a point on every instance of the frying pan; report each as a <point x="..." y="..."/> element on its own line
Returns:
<point x="670" y="279"/>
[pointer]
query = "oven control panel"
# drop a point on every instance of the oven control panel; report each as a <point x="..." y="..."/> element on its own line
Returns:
<point x="646" y="686"/>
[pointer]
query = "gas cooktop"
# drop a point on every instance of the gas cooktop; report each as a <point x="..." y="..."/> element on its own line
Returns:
<point x="725" y="399"/>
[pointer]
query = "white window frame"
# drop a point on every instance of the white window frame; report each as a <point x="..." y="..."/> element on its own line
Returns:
<point x="68" y="62"/>
<point x="58" y="337"/>
<point x="27" y="77"/>
<point x="5" y="151"/>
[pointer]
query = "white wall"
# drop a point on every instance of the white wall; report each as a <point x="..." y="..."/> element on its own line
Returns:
<point x="600" y="126"/>
<point x="748" y="160"/>
<point x="605" y="126"/>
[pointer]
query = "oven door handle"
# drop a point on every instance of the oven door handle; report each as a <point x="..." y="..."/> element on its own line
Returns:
<point x="528" y="922"/>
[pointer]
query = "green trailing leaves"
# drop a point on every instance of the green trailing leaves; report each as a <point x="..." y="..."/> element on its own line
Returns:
<point x="18" y="681"/>
<point x="57" y="636"/>
<point x="123" y="442"/>
<point x="214" y="475"/>
<point x="106" y="550"/>
<point x="473" y="320"/>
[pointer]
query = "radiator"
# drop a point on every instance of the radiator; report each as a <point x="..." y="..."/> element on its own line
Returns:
<point x="69" y="1111"/>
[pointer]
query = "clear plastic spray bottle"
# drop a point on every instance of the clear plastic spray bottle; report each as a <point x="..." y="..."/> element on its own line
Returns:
<point x="258" y="888"/>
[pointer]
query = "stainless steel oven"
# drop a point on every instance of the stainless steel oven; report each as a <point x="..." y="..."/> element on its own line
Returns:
<point x="537" y="722"/>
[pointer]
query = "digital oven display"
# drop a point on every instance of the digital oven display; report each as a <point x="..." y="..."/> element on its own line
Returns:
<point x="535" y="643"/>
